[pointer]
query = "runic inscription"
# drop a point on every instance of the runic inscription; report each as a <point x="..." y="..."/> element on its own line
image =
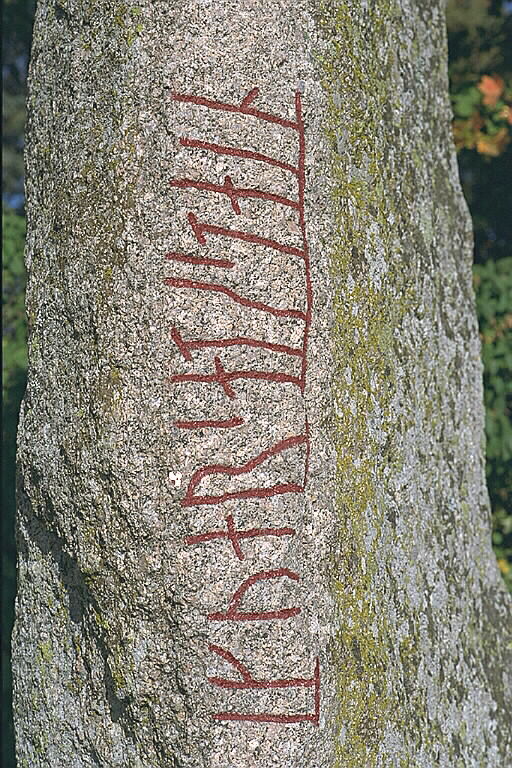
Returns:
<point x="230" y="378"/>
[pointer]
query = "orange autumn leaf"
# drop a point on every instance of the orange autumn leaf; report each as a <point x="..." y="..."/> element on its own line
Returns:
<point x="493" y="145"/>
<point x="485" y="146"/>
<point x="491" y="89"/>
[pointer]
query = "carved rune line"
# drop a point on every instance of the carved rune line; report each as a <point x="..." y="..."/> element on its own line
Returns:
<point x="226" y="380"/>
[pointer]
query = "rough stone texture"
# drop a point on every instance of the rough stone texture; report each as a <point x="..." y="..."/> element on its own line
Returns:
<point x="399" y="595"/>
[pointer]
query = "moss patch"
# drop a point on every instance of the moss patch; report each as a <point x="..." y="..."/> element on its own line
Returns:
<point x="371" y="299"/>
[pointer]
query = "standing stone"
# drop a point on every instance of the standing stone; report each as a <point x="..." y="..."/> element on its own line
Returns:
<point x="253" y="526"/>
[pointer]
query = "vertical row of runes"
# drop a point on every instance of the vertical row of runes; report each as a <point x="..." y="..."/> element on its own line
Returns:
<point x="227" y="379"/>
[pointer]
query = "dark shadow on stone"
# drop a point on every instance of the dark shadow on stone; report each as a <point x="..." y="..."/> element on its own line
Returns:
<point x="82" y="602"/>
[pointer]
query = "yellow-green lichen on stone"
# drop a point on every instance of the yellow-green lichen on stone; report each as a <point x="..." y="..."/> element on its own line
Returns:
<point x="367" y="314"/>
<point x="392" y="196"/>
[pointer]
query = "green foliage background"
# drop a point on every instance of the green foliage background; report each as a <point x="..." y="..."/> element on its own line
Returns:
<point x="480" y="41"/>
<point x="14" y="365"/>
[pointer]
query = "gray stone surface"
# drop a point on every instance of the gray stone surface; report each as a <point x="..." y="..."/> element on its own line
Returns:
<point x="384" y="563"/>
